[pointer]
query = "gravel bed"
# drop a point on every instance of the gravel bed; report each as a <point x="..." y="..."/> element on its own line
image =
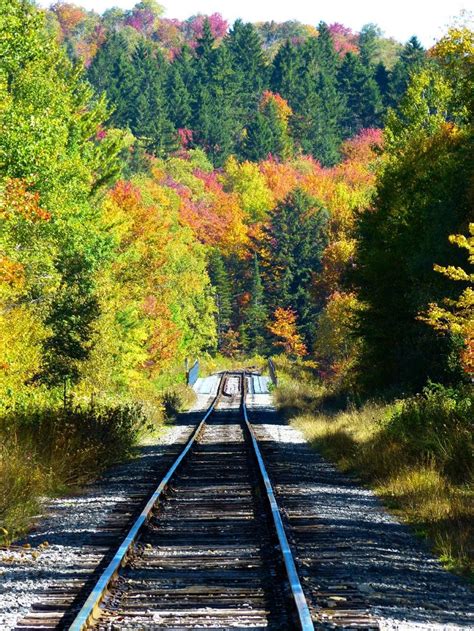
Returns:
<point x="61" y="544"/>
<point x="365" y="547"/>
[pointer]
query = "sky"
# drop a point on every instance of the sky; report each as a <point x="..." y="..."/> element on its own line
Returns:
<point x="397" y="18"/>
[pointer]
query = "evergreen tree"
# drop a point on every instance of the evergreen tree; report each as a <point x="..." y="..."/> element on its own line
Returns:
<point x="258" y="141"/>
<point x="267" y="135"/>
<point x="148" y="115"/>
<point x="297" y="236"/>
<point x="256" y="314"/>
<point x="112" y="72"/>
<point x="286" y="72"/>
<point x="250" y="66"/>
<point x="382" y="78"/>
<point x="178" y="98"/>
<point x="318" y="107"/>
<point x="368" y="36"/>
<point x="221" y="283"/>
<point x="215" y="119"/>
<point x="205" y="54"/>
<point x="411" y="58"/>
<point x="363" y="99"/>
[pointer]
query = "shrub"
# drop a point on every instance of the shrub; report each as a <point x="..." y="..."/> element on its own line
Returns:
<point x="437" y="425"/>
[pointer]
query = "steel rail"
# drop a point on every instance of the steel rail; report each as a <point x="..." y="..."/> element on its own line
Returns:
<point x="89" y="610"/>
<point x="304" y="615"/>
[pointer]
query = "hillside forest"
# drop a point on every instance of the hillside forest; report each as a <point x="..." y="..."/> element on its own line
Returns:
<point x="180" y="189"/>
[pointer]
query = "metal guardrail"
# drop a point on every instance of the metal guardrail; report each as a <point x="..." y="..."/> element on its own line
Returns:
<point x="89" y="610"/>
<point x="272" y="371"/>
<point x="304" y="614"/>
<point x="193" y="373"/>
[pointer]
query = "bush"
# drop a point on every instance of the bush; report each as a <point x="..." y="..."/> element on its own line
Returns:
<point x="437" y="426"/>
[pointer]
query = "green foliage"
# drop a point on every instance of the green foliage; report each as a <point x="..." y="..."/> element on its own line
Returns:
<point x="250" y="66"/>
<point x="364" y="103"/>
<point x="256" y="314"/>
<point x="437" y="425"/>
<point x="221" y="284"/>
<point x="411" y="58"/>
<point x="295" y="240"/>
<point x="423" y="196"/>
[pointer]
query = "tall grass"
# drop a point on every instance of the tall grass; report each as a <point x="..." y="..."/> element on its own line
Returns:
<point x="416" y="453"/>
<point x="46" y="451"/>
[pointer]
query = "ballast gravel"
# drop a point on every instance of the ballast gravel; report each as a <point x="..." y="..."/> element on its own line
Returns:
<point x="403" y="585"/>
<point x="59" y="549"/>
<point x="363" y="546"/>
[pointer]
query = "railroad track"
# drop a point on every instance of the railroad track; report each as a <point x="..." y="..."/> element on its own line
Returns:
<point x="209" y="549"/>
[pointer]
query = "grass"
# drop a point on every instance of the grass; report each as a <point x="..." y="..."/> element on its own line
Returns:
<point x="416" y="454"/>
<point x="52" y="450"/>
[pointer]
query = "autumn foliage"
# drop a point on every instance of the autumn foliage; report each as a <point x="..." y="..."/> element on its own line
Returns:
<point x="284" y="329"/>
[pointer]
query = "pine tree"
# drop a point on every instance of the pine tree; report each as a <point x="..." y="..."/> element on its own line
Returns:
<point x="112" y="72"/>
<point x="318" y="107"/>
<point x="363" y="99"/>
<point x="249" y="64"/>
<point x="256" y="314"/>
<point x="258" y="141"/>
<point x="368" y="36"/>
<point x="382" y="78"/>
<point x="148" y="115"/>
<point x="215" y="119"/>
<point x="178" y="98"/>
<point x="221" y="283"/>
<point x="297" y="236"/>
<point x="411" y="58"/>
<point x="286" y="72"/>
<point x="267" y="135"/>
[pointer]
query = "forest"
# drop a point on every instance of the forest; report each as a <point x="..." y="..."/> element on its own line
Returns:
<point x="182" y="189"/>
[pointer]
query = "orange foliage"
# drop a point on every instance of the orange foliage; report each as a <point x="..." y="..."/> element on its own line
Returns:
<point x="284" y="327"/>
<point x="284" y="111"/>
<point x="11" y="273"/>
<point x="217" y="218"/>
<point x="17" y="200"/>
<point x="281" y="177"/>
<point x="69" y="16"/>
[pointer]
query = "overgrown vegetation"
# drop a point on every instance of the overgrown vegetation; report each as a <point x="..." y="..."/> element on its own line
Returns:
<point x="50" y="450"/>
<point x="416" y="453"/>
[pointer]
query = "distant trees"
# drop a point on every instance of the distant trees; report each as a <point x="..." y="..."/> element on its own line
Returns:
<point x="216" y="89"/>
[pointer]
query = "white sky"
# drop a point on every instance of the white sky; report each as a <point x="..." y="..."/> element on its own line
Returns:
<point x="397" y="18"/>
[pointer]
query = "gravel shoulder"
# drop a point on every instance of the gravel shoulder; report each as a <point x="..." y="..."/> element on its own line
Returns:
<point x="67" y="544"/>
<point x="343" y="536"/>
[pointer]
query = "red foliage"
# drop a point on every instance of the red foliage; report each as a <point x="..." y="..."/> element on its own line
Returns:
<point x="364" y="146"/>
<point x="69" y="16"/>
<point x="185" y="137"/>
<point x="344" y="39"/>
<point x="194" y="26"/>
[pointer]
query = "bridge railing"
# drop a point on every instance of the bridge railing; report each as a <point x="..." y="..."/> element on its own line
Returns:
<point x="272" y="371"/>
<point x="193" y="374"/>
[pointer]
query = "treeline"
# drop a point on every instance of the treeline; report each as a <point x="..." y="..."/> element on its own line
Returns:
<point x="101" y="288"/>
<point x="209" y="92"/>
<point x="145" y="252"/>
